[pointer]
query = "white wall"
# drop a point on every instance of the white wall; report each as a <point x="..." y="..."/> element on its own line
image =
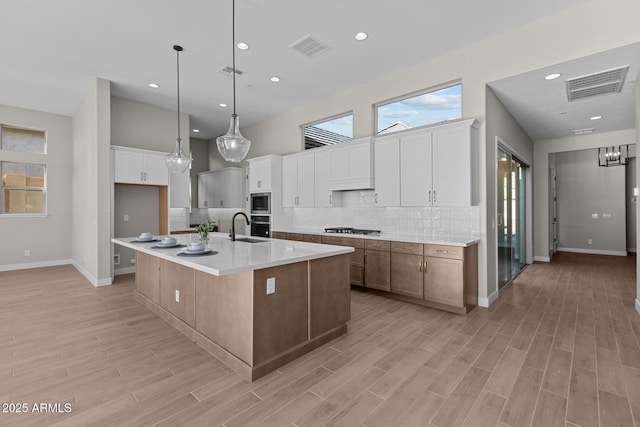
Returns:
<point x="92" y="188"/>
<point x="536" y="45"/>
<point x="46" y="237"/>
<point x="585" y="189"/>
<point x="637" y="210"/>
<point x="501" y="128"/>
<point x="542" y="150"/>
<point x="631" y="203"/>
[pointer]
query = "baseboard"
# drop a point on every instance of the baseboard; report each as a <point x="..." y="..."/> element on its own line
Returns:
<point x="542" y="258"/>
<point x="124" y="270"/>
<point x="638" y="305"/>
<point x="486" y="302"/>
<point x="91" y="278"/>
<point x="593" y="251"/>
<point x="39" y="264"/>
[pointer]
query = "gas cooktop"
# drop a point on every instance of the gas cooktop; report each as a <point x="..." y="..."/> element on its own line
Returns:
<point x="350" y="230"/>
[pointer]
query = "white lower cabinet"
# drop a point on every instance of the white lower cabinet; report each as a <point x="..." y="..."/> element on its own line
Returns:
<point x="220" y="189"/>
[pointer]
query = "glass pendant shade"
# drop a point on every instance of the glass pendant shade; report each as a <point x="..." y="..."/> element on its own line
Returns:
<point x="233" y="146"/>
<point x="177" y="162"/>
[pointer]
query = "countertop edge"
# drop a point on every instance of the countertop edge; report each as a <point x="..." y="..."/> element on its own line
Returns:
<point x="388" y="237"/>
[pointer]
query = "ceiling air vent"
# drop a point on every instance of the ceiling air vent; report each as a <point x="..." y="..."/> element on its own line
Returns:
<point x="228" y="71"/>
<point x="602" y="83"/>
<point x="309" y="46"/>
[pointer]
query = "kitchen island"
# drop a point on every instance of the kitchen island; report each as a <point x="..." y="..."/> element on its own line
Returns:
<point x="255" y="306"/>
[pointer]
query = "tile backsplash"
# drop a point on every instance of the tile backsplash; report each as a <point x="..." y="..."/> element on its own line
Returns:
<point x="358" y="210"/>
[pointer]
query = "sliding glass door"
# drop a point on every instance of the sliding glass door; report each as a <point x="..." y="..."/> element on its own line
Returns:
<point x="511" y="218"/>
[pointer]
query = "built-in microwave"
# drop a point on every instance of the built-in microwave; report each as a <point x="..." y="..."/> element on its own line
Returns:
<point x="260" y="203"/>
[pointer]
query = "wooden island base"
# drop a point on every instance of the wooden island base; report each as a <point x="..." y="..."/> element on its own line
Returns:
<point x="234" y="319"/>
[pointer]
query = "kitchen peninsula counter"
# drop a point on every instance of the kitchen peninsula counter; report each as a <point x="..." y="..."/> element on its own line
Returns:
<point x="255" y="306"/>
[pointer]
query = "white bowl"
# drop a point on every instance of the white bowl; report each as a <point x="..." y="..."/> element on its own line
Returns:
<point x="169" y="241"/>
<point x="146" y="235"/>
<point x="195" y="246"/>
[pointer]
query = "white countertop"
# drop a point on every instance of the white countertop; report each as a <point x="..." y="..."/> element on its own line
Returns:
<point x="236" y="257"/>
<point x="396" y="237"/>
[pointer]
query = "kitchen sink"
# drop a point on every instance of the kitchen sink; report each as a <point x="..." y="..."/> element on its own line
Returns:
<point x="249" y="240"/>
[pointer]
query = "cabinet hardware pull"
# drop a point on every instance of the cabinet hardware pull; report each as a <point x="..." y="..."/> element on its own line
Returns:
<point x="425" y="266"/>
<point x="259" y="184"/>
<point x="141" y="177"/>
<point x="429" y="196"/>
<point x="330" y="198"/>
<point x="420" y="268"/>
<point x="221" y="202"/>
<point x="442" y="251"/>
<point x="375" y="198"/>
<point x="434" y="196"/>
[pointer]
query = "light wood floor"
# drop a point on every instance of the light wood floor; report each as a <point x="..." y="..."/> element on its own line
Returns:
<point x="560" y="347"/>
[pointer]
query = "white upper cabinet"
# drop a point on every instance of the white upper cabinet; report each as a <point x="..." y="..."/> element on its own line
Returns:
<point x="415" y="165"/>
<point x="260" y="174"/>
<point x="454" y="166"/>
<point x="220" y="189"/>
<point x="324" y="197"/>
<point x="298" y="180"/>
<point x="387" y="169"/>
<point x="351" y="165"/>
<point x="133" y="166"/>
<point x="436" y="166"/>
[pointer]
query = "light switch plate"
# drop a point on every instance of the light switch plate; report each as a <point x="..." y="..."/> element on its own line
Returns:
<point x="606" y="216"/>
<point x="271" y="285"/>
<point x="177" y="295"/>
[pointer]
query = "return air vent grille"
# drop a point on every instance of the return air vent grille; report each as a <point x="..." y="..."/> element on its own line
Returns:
<point x="228" y="71"/>
<point x="309" y="46"/>
<point x="597" y="84"/>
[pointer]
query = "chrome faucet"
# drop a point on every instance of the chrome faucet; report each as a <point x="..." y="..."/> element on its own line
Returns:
<point x="233" y="224"/>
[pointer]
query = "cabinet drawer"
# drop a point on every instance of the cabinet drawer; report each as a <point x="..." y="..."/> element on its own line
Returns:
<point x="441" y="251"/>
<point x="343" y="241"/>
<point x="357" y="257"/>
<point x="378" y="245"/>
<point x="295" y="236"/>
<point x="313" y="238"/>
<point x="407" y="248"/>
<point x="278" y="235"/>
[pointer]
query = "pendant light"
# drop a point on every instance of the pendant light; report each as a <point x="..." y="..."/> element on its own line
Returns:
<point x="177" y="162"/>
<point x="233" y="146"/>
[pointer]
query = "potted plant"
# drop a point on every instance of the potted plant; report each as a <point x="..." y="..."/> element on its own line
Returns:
<point x="204" y="228"/>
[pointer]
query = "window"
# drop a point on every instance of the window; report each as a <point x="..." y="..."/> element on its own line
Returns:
<point x="329" y="132"/>
<point x="16" y="139"/>
<point x="427" y="108"/>
<point x="23" y="184"/>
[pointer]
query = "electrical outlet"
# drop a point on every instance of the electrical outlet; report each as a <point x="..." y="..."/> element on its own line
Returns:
<point x="589" y="241"/>
<point x="116" y="259"/>
<point x="177" y="295"/>
<point x="27" y="252"/>
<point x="126" y="217"/>
<point x="271" y="285"/>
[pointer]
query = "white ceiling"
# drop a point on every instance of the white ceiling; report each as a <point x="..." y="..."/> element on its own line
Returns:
<point x="52" y="50"/>
<point x="541" y="106"/>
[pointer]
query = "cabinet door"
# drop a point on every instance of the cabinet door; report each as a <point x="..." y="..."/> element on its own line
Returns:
<point x="452" y="166"/>
<point x="177" y="291"/>
<point x="128" y="167"/>
<point x="443" y="281"/>
<point x="322" y="193"/>
<point x="289" y="181"/>
<point x="155" y="169"/>
<point x="377" y="270"/>
<point x="231" y="188"/>
<point x="180" y="190"/>
<point x="339" y="164"/>
<point x="387" y="169"/>
<point x="406" y="275"/>
<point x="204" y="191"/>
<point x="306" y="180"/>
<point x="260" y="176"/>
<point x="360" y="161"/>
<point x="415" y="159"/>
<point x="148" y="276"/>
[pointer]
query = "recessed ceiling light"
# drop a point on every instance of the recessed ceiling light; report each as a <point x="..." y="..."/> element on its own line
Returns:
<point x="196" y="130"/>
<point x="243" y="46"/>
<point x="275" y="79"/>
<point x="553" y="76"/>
<point x="223" y="105"/>
<point x="361" y="36"/>
<point x="595" y="118"/>
<point x="154" y="85"/>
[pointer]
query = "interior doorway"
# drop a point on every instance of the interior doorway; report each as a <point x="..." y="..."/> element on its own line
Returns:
<point x="512" y="217"/>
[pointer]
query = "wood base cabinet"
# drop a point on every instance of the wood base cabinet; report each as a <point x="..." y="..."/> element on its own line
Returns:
<point x="406" y="269"/>
<point x="356" y="270"/>
<point x="377" y="265"/>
